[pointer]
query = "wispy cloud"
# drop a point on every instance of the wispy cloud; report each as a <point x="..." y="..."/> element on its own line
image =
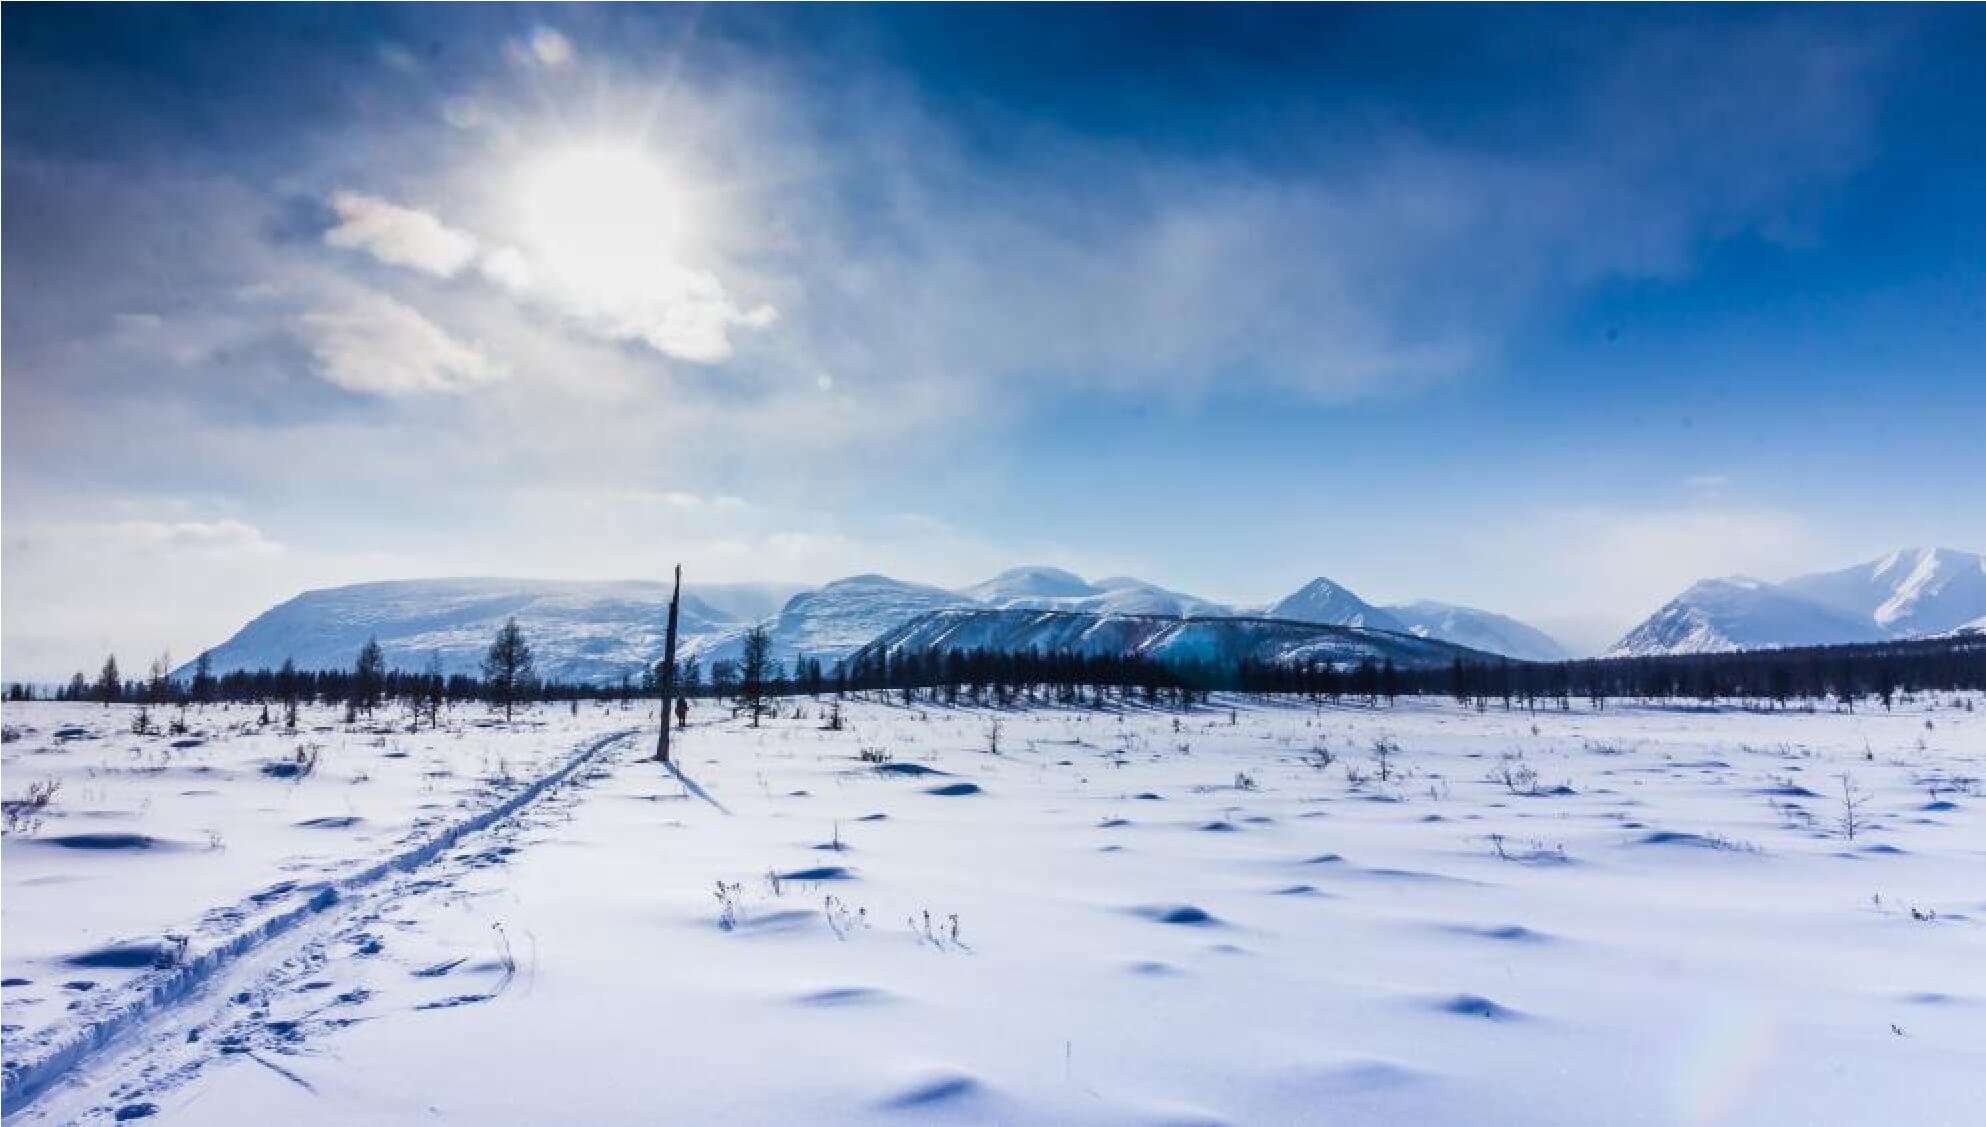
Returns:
<point x="378" y="346"/>
<point x="678" y="310"/>
<point x="401" y="236"/>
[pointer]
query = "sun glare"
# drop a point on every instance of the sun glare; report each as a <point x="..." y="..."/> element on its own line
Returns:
<point x="601" y="217"/>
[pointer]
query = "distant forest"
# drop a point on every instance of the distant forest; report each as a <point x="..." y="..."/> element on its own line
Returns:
<point x="1845" y="675"/>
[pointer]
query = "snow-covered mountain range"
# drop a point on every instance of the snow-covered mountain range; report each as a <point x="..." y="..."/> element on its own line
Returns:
<point x="1049" y="588"/>
<point x="1321" y="600"/>
<point x="582" y="631"/>
<point x="1213" y="640"/>
<point x="1916" y="592"/>
<point x="1478" y="630"/>
<point x="598" y="632"/>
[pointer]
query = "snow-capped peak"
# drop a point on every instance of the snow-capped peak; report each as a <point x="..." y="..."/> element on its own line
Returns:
<point x="1030" y="582"/>
<point x="1321" y="600"/>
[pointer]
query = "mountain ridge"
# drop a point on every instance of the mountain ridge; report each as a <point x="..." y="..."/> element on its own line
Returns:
<point x="1909" y="593"/>
<point x="600" y="631"/>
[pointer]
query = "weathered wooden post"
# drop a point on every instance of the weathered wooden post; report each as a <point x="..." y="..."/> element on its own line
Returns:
<point x="668" y="678"/>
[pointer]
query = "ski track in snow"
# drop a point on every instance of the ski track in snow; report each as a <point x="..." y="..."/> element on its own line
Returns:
<point x="257" y="962"/>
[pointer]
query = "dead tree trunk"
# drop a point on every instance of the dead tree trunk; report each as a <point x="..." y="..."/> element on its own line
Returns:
<point x="668" y="678"/>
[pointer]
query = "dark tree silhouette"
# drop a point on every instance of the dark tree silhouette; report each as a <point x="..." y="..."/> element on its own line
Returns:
<point x="202" y="687"/>
<point x="288" y="690"/>
<point x="110" y="684"/>
<point x="507" y="668"/>
<point x="755" y="672"/>
<point x="368" y="677"/>
<point x="431" y="692"/>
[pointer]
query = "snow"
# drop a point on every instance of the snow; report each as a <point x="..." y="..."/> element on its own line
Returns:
<point x="582" y="631"/>
<point x="1326" y="602"/>
<point x="1912" y="592"/>
<point x="1478" y="630"/>
<point x="1171" y="640"/>
<point x="1159" y="918"/>
<point x="222" y="818"/>
<point x="1048" y="588"/>
<point x="1718" y="615"/>
<point x="598" y="632"/>
<point x="836" y="620"/>
<point x="1917" y="592"/>
<point x="1032" y="582"/>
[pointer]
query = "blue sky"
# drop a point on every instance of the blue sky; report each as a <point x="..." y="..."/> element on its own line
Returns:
<point x="1551" y="311"/>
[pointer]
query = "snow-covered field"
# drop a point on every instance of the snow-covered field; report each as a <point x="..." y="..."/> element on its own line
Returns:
<point x="1248" y="914"/>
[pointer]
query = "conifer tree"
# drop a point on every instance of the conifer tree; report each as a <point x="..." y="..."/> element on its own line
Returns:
<point x="368" y="677"/>
<point x="755" y="670"/>
<point x="110" y="684"/>
<point x="507" y="667"/>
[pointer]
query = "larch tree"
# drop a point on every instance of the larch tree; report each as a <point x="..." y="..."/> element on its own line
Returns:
<point x="755" y="670"/>
<point x="507" y="668"/>
<point x="368" y="677"/>
<point x="203" y="678"/>
<point x="110" y="683"/>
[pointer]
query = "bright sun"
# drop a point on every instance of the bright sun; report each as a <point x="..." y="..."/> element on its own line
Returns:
<point x="601" y="217"/>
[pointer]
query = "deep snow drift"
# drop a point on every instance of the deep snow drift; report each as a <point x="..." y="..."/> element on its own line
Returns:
<point x="1252" y="913"/>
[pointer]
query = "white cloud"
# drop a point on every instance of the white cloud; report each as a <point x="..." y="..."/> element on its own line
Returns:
<point x="544" y="47"/>
<point x="79" y="590"/>
<point x="76" y="591"/>
<point x="677" y="310"/>
<point x="508" y="268"/>
<point x="399" y="236"/>
<point x="376" y="345"/>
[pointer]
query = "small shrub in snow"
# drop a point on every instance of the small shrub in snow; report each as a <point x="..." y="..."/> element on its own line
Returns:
<point x="24" y="815"/>
<point x="730" y="900"/>
<point x="505" y="958"/>
<point x="1853" y="798"/>
<point x="1383" y="750"/>
<point x="940" y="934"/>
<point x="843" y="919"/>
<point x="1530" y="852"/>
<point x="1514" y="775"/>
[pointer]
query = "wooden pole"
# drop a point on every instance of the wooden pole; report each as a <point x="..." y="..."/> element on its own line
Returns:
<point x="669" y="670"/>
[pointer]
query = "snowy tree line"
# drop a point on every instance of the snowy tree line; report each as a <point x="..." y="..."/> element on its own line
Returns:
<point x="1844" y="674"/>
